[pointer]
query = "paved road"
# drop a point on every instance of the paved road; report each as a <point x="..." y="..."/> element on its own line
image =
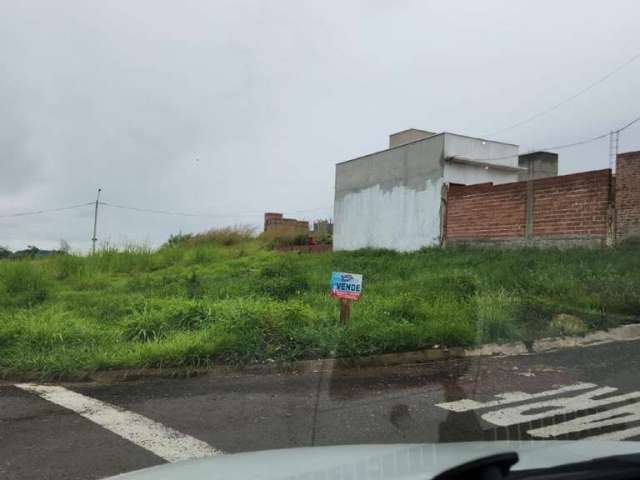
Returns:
<point x="55" y="434"/>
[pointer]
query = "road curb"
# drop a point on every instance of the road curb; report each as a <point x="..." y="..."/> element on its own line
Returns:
<point x="624" y="333"/>
<point x="125" y="375"/>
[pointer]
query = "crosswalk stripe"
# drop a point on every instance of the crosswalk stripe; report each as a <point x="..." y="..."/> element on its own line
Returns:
<point x="167" y="443"/>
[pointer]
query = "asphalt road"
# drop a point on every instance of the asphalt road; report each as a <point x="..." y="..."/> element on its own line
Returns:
<point x="40" y="439"/>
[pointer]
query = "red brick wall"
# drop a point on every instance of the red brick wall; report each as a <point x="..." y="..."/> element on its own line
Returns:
<point x="575" y="204"/>
<point x="566" y="206"/>
<point x="486" y="211"/>
<point x="628" y="195"/>
<point x="275" y="222"/>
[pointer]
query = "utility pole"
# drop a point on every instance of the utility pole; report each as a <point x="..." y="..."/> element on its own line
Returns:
<point x="614" y="140"/>
<point x="95" y="222"/>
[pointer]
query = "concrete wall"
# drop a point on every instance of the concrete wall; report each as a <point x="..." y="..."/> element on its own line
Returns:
<point x="390" y="199"/>
<point x="479" y="150"/>
<point x="472" y="148"/>
<point x="538" y="165"/>
<point x="471" y="175"/>
<point x="408" y="136"/>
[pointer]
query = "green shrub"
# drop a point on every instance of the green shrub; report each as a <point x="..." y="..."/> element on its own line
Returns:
<point x="168" y="256"/>
<point x="614" y="293"/>
<point x="190" y="315"/>
<point x="252" y="330"/>
<point x="402" y="306"/>
<point x="178" y="240"/>
<point x="105" y="307"/>
<point x="65" y="266"/>
<point x="534" y="319"/>
<point x="281" y="279"/>
<point x="202" y="255"/>
<point x="497" y="316"/>
<point x="132" y="258"/>
<point x="145" y="325"/>
<point x="193" y="286"/>
<point x="285" y="238"/>
<point x="155" y="320"/>
<point x="22" y="284"/>
<point x="137" y="307"/>
<point x="226" y="236"/>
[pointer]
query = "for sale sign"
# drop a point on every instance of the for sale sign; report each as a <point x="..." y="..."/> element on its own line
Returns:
<point x="346" y="285"/>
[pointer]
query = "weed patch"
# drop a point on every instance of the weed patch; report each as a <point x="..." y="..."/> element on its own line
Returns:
<point x="225" y="296"/>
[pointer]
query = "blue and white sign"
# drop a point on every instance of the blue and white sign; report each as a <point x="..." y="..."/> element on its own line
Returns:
<point x="346" y="285"/>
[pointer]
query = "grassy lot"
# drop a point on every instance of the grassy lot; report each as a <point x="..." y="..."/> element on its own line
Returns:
<point x="228" y="299"/>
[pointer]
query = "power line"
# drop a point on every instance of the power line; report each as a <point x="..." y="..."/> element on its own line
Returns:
<point x="566" y="100"/>
<point x="210" y="215"/>
<point x="188" y="214"/>
<point x="632" y="122"/>
<point x="569" y="145"/>
<point x="148" y="210"/>
<point x="48" y="210"/>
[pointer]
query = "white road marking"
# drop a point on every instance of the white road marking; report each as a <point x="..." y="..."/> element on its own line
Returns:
<point x="522" y="415"/>
<point x="510" y="397"/>
<point x="165" y="442"/>
<point x="556" y="406"/>
<point x="618" y="434"/>
<point x="615" y="416"/>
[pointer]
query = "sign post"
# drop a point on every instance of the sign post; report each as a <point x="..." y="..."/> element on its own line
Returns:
<point x="346" y="287"/>
<point x="345" y="310"/>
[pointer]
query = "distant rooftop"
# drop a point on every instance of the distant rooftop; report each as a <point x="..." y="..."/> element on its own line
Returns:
<point x="414" y="135"/>
<point x="407" y="136"/>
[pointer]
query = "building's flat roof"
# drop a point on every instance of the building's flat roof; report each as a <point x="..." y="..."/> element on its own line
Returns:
<point x="538" y="152"/>
<point x="425" y="140"/>
<point x="412" y="130"/>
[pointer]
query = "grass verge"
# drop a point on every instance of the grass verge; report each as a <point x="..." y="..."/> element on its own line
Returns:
<point x="227" y="298"/>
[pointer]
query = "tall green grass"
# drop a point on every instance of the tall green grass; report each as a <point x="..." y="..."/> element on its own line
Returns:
<point x="227" y="297"/>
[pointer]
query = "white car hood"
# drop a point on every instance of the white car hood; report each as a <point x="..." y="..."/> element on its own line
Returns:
<point x="361" y="462"/>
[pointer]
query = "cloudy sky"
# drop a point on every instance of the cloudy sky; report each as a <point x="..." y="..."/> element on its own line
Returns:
<point x="232" y="108"/>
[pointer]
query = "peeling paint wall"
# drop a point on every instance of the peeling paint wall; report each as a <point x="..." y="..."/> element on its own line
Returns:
<point x="390" y="199"/>
<point x="402" y="219"/>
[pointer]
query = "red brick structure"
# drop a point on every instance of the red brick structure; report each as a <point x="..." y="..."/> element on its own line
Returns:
<point x="628" y="196"/>
<point x="590" y="208"/>
<point x="486" y="211"/>
<point x="275" y="222"/>
<point x="572" y="205"/>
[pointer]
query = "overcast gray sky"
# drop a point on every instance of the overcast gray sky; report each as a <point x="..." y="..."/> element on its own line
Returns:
<point x="240" y="107"/>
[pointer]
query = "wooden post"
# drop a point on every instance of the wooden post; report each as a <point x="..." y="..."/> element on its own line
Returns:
<point x="345" y="310"/>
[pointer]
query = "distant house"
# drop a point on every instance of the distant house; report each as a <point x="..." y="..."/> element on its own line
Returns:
<point x="32" y="252"/>
<point x="277" y="223"/>
<point x="394" y="198"/>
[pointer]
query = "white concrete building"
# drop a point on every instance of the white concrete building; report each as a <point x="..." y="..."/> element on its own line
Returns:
<point x="392" y="199"/>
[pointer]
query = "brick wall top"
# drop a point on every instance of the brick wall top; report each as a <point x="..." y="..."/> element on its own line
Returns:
<point x="627" y="155"/>
<point x="457" y="190"/>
